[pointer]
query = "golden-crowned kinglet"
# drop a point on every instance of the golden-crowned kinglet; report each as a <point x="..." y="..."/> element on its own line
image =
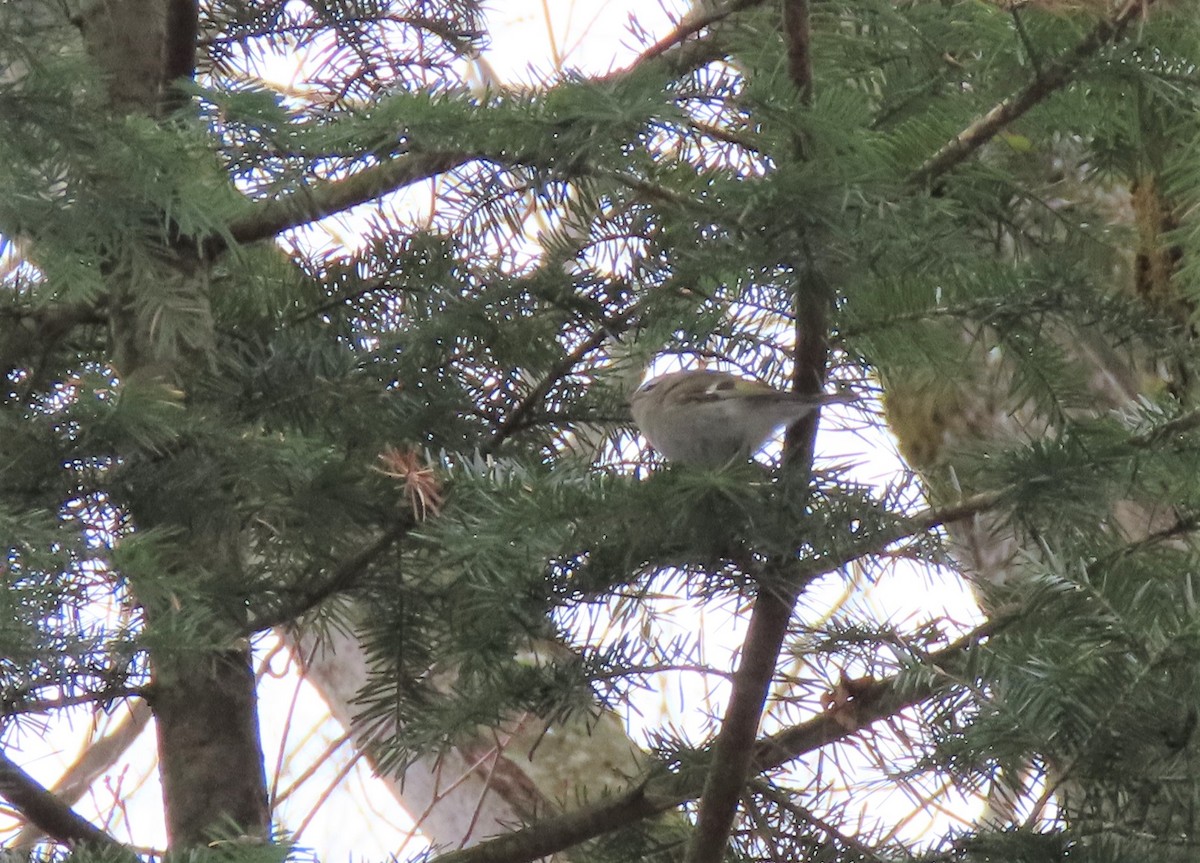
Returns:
<point x="710" y="418"/>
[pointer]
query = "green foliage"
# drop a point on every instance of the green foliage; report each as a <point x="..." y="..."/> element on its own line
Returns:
<point x="191" y="429"/>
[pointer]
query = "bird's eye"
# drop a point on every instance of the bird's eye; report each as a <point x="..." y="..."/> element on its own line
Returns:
<point x="647" y="386"/>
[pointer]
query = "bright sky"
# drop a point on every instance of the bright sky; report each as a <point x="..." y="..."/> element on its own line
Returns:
<point x="325" y="788"/>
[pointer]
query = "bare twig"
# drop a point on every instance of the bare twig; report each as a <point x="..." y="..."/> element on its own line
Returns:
<point x="692" y="24"/>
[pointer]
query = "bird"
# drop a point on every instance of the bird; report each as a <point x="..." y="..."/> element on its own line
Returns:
<point x="709" y="418"/>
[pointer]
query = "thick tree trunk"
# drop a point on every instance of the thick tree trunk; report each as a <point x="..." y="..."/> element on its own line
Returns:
<point x="210" y="757"/>
<point x="505" y="776"/>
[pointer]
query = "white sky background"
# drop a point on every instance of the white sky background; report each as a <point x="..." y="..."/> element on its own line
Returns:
<point x="340" y="811"/>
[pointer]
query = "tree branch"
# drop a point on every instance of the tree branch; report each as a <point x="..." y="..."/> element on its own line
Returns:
<point x="343" y="576"/>
<point x="26" y="329"/>
<point x="606" y="329"/>
<point x="14" y="705"/>
<point x="1054" y="76"/>
<point x="98" y="757"/>
<point x="797" y="36"/>
<point x="733" y="750"/>
<point x="49" y="814"/>
<point x="778" y="593"/>
<point x="269" y="218"/>
<point x="692" y="24"/>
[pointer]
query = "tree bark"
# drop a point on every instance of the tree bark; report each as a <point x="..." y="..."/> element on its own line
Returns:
<point x="505" y="776"/>
<point x="209" y="752"/>
<point x="204" y="703"/>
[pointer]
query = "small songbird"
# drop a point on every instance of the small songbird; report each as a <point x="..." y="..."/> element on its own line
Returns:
<point x="709" y="418"/>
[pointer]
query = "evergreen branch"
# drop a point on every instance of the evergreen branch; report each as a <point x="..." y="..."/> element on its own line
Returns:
<point x="272" y="217"/>
<point x="269" y="218"/>
<point x="725" y="136"/>
<point x="804" y="571"/>
<point x="800" y="813"/>
<point x="16" y="706"/>
<point x="1031" y="50"/>
<point x="458" y="40"/>
<point x="928" y="519"/>
<point x="336" y="301"/>
<point x="663" y="791"/>
<point x="1181" y="424"/>
<point x="24" y="330"/>
<point x="764" y="639"/>
<point x="557" y="372"/>
<point x="344" y="576"/>
<point x="652" y="191"/>
<point x="49" y="814"/>
<point x="1052" y="78"/>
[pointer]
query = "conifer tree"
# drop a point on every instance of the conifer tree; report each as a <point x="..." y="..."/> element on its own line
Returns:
<point x="410" y="453"/>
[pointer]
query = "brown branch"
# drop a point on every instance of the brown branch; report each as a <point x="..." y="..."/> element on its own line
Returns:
<point x="27" y="329"/>
<point x="1054" y="76"/>
<point x="692" y="24"/>
<point x="797" y="37"/>
<point x="665" y="790"/>
<point x="875" y="700"/>
<point x="98" y="757"/>
<point x="779" y="589"/>
<point x="733" y="750"/>
<point x="49" y="814"/>
<point x="269" y="218"/>
<point x="16" y="706"/>
<point x="179" y="50"/>
<point x="802" y="572"/>
<point x="732" y="755"/>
